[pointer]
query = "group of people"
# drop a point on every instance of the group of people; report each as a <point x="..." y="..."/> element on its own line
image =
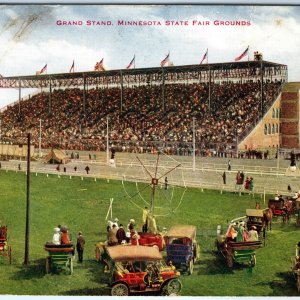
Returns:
<point x="240" y="181"/>
<point x="61" y="237"/>
<point x="238" y="233"/>
<point x="116" y="234"/>
<point x="143" y="118"/>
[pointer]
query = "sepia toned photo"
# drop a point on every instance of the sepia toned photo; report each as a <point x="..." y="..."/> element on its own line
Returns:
<point x="149" y="150"/>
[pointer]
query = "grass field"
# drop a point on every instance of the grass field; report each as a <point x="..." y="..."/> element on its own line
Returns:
<point x="83" y="204"/>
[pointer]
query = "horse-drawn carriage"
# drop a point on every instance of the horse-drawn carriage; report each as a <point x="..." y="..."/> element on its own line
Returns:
<point x="140" y="269"/>
<point x="277" y="206"/>
<point x="5" y="248"/>
<point x="182" y="247"/>
<point x="60" y="258"/>
<point x="237" y="252"/>
<point x="243" y="252"/>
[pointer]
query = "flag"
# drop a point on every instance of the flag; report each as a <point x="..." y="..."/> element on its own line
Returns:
<point x="204" y="57"/>
<point x="165" y="60"/>
<point x="132" y="63"/>
<point x="42" y="70"/>
<point x="72" y="67"/>
<point x="99" y="66"/>
<point x="242" y="55"/>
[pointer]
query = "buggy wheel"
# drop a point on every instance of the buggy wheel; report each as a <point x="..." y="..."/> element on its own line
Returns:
<point x="71" y="265"/>
<point x="191" y="267"/>
<point x="9" y="250"/>
<point x="47" y="265"/>
<point x="298" y="283"/>
<point x="229" y="260"/>
<point x="253" y="261"/>
<point x="120" y="289"/>
<point x="173" y="287"/>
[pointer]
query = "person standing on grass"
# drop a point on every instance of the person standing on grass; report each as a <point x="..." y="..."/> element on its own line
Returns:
<point x="80" y="246"/>
<point x="87" y="169"/>
<point x="229" y="165"/>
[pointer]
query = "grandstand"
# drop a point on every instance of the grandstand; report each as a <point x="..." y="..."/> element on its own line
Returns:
<point x="235" y="105"/>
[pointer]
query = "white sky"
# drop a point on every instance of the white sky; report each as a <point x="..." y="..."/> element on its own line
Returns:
<point x="30" y="38"/>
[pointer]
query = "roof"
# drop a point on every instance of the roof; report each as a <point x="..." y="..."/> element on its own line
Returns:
<point x="181" y="231"/>
<point x="133" y="253"/>
<point x="255" y="213"/>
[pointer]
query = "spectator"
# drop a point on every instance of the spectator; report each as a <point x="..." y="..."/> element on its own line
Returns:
<point x="87" y="169"/>
<point x="80" y="246"/>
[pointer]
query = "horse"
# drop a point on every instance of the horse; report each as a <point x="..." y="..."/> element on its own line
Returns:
<point x="267" y="218"/>
<point x="287" y="212"/>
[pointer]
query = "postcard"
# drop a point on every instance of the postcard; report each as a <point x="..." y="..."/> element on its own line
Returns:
<point x="149" y="149"/>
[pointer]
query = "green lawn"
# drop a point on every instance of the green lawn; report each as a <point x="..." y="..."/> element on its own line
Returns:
<point x="83" y="204"/>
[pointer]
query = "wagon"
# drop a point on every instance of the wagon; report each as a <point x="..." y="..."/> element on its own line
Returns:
<point x="296" y="267"/>
<point x="238" y="252"/>
<point x="182" y="248"/>
<point x="243" y="252"/>
<point x="5" y="248"/>
<point x="140" y="269"/>
<point x="60" y="258"/>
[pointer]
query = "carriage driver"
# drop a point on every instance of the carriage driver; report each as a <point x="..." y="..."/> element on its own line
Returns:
<point x="56" y="236"/>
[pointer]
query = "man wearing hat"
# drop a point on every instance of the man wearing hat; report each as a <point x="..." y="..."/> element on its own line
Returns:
<point x="80" y="246"/>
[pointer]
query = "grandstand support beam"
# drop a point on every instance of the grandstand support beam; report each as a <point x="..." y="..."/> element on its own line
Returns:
<point x="40" y="139"/>
<point x="26" y="254"/>
<point x="209" y="87"/>
<point x="163" y="89"/>
<point x="194" y="146"/>
<point x="107" y="139"/>
<point x="84" y="87"/>
<point x="19" y="96"/>
<point x="50" y="97"/>
<point x="262" y="88"/>
<point x="121" y="96"/>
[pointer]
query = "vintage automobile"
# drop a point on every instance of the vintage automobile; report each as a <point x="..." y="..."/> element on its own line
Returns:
<point x="255" y="217"/>
<point x="140" y="269"/>
<point x="182" y="247"/>
<point x="150" y="240"/>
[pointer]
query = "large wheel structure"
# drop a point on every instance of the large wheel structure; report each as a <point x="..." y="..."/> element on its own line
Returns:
<point x="120" y="289"/>
<point x="229" y="260"/>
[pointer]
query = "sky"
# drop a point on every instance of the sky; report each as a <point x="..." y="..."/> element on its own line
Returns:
<point x="30" y="37"/>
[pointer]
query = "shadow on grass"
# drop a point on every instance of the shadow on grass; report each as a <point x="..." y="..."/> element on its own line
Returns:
<point x="36" y="269"/>
<point x="213" y="266"/>
<point x="285" y="286"/>
<point x="95" y="272"/>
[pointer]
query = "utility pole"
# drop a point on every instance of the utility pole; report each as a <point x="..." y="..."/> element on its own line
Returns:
<point x="26" y="255"/>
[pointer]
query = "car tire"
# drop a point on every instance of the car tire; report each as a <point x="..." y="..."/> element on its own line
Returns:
<point x="120" y="289"/>
<point x="173" y="287"/>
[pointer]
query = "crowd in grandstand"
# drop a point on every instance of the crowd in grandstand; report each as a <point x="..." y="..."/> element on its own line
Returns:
<point x="77" y="121"/>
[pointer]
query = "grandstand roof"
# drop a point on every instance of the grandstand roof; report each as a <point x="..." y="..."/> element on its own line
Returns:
<point x="67" y="79"/>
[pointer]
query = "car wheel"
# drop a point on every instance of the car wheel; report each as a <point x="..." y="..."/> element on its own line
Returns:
<point x="173" y="287"/>
<point x="120" y="289"/>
